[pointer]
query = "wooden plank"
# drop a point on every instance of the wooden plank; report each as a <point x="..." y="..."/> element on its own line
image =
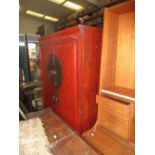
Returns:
<point x="114" y="123"/>
<point x="125" y="62"/>
<point x="124" y="7"/>
<point x="116" y="116"/>
<point x="112" y="106"/>
<point x="132" y="123"/>
<point x="108" y="143"/>
<point x="109" y="46"/>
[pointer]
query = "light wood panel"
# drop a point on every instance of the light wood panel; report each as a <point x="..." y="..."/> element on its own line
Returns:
<point x="118" y="57"/>
<point x="109" y="46"/>
<point x="132" y="123"/>
<point x="115" y="116"/>
<point x="112" y="106"/>
<point x="115" y="123"/>
<point x="125" y="64"/>
<point x="123" y="8"/>
<point x="108" y="143"/>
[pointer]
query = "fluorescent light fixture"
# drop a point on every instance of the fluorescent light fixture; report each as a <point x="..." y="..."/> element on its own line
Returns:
<point x="72" y="6"/>
<point x="36" y="14"/>
<point x="51" y="18"/>
<point x="57" y="1"/>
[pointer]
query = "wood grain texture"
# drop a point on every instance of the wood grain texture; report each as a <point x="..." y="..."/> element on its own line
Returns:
<point x="132" y="123"/>
<point x="109" y="46"/>
<point x="112" y="106"/>
<point x="113" y="132"/>
<point x="125" y="60"/>
<point x="122" y="91"/>
<point x="123" y="8"/>
<point x="108" y="143"/>
<point x="115" y="123"/>
<point x="115" y="116"/>
<point x="118" y="57"/>
<point x="62" y="139"/>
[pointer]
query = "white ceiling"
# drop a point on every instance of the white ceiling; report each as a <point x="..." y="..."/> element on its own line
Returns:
<point x="51" y="9"/>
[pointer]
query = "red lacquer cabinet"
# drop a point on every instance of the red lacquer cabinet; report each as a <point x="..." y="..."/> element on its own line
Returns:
<point x="70" y="64"/>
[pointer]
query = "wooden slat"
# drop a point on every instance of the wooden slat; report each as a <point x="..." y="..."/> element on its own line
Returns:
<point x="132" y="122"/>
<point x="114" y="123"/>
<point x="112" y="106"/>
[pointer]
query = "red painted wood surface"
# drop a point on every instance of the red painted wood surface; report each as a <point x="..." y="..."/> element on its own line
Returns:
<point x="78" y="49"/>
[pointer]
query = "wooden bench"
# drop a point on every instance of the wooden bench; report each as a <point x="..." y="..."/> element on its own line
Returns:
<point x="113" y="133"/>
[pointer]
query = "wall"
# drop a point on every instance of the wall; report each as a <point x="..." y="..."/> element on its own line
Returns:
<point x="31" y="24"/>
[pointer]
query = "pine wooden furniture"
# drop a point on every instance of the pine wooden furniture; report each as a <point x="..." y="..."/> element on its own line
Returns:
<point x="113" y="132"/>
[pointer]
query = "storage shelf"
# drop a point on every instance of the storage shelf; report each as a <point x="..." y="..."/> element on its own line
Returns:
<point x="118" y="52"/>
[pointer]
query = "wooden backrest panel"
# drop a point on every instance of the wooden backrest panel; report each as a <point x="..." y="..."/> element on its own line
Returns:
<point x="116" y="116"/>
<point x="109" y="47"/>
<point x="112" y="106"/>
<point x="125" y="64"/>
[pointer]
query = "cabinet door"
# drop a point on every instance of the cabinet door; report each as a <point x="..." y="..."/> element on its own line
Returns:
<point x="65" y="51"/>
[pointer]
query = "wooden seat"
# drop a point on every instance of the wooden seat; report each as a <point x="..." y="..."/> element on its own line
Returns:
<point x="113" y="133"/>
<point x="107" y="142"/>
